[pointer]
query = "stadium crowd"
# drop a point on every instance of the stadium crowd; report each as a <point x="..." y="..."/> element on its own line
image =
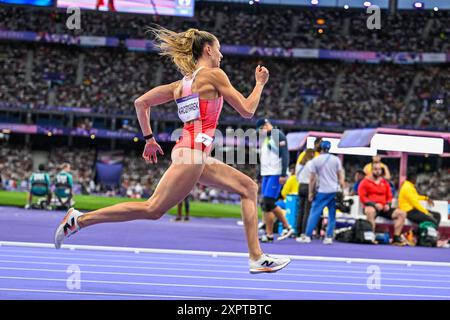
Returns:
<point x="287" y="27"/>
<point x="139" y="179"/>
<point x="311" y="92"/>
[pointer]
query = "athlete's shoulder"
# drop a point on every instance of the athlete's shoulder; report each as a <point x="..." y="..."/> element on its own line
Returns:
<point x="216" y="74"/>
<point x="174" y="84"/>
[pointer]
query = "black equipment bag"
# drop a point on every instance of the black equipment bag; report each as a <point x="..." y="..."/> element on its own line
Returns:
<point x="363" y="232"/>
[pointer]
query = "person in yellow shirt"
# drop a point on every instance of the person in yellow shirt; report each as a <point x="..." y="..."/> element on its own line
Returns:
<point x="408" y="201"/>
<point x="317" y="143"/>
<point x="291" y="185"/>
<point x="377" y="159"/>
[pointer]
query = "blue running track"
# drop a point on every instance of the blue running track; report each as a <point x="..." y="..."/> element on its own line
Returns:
<point x="45" y="273"/>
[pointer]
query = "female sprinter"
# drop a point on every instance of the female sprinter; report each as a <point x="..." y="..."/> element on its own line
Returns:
<point x="199" y="97"/>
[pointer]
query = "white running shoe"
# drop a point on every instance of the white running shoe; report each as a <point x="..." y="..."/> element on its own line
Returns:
<point x="268" y="264"/>
<point x="286" y="233"/>
<point x="67" y="227"/>
<point x="303" y="239"/>
<point x="328" y="240"/>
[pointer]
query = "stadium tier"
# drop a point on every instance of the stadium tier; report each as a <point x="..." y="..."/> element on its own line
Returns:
<point x="292" y="27"/>
<point x="311" y="92"/>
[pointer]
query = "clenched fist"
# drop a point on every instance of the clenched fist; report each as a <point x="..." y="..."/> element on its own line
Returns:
<point x="261" y="75"/>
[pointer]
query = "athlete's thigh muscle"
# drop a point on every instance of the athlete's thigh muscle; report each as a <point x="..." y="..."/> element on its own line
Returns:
<point x="220" y="175"/>
<point x="179" y="179"/>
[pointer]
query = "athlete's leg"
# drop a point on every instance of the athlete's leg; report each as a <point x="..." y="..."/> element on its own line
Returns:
<point x="173" y="187"/>
<point x="220" y="175"/>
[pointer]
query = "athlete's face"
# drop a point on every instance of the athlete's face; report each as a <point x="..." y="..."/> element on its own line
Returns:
<point x="216" y="56"/>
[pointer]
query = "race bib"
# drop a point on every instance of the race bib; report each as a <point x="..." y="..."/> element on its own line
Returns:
<point x="203" y="138"/>
<point x="188" y="107"/>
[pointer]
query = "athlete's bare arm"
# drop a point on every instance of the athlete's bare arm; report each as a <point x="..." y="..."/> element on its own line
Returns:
<point x="245" y="106"/>
<point x="156" y="96"/>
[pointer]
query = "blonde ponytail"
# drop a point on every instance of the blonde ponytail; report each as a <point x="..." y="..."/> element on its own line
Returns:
<point x="184" y="48"/>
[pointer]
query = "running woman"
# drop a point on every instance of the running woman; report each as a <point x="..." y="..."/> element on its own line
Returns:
<point x="199" y="97"/>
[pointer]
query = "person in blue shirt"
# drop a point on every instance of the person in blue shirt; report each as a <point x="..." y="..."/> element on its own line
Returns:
<point x="64" y="186"/>
<point x="39" y="186"/>
<point x="359" y="176"/>
<point x="274" y="162"/>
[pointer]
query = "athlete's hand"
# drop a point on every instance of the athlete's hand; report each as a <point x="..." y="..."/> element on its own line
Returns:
<point x="150" y="150"/>
<point x="261" y="75"/>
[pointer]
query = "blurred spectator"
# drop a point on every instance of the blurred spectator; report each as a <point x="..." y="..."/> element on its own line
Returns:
<point x="377" y="160"/>
<point x="408" y="201"/>
<point x="376" y="197"/>
<point x="359" y="176"/>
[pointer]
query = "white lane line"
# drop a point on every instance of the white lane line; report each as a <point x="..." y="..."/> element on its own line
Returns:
<point x="162" y="275"/>
<point x="333" y="270"/>
<point x="115" y="294"/>
<point x="299" y="275"/>
<point x="219" y="253"/>
<point x="156" y="284"/>
<point x="237" y="262"/>
<point x="314" y="271"/>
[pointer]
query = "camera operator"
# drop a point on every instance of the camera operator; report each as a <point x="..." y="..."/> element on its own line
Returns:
<point x="342" y="204"/>
<point x="327" y="175"/>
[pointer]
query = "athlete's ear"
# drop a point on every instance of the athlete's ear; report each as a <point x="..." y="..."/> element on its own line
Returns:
<point x="208" y="50"/>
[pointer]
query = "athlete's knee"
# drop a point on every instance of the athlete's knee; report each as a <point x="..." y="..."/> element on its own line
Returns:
<point x="250" y="189"/>
<point x="153" y="210"/>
